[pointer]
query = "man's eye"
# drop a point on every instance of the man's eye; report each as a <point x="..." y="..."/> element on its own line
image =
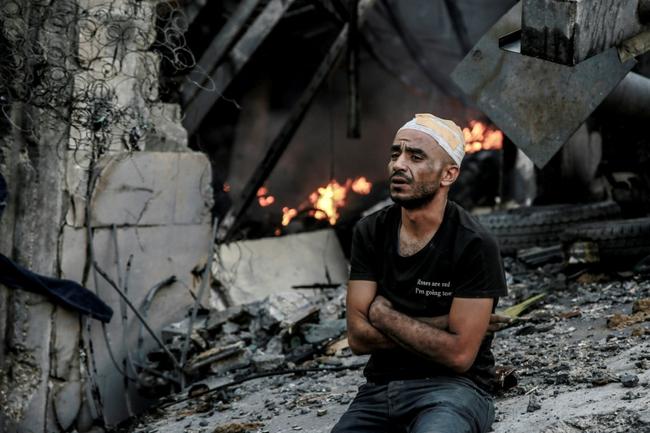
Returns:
<point x="394" y="155"/>
<point x="416" y="157"/>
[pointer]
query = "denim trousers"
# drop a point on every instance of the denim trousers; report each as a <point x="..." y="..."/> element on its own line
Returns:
<point x="431" y="405"/>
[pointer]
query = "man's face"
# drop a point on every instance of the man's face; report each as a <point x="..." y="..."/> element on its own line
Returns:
<point x="415" y="168"/>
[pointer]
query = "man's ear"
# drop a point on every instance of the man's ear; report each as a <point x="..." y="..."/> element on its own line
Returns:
<point x="449" y="175"/>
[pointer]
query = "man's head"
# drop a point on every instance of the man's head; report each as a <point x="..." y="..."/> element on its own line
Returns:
<point x="425" y="158"/>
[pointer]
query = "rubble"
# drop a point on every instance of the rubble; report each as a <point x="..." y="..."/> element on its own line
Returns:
<point x="560" y="367"/>
<point x="259" y="337"/>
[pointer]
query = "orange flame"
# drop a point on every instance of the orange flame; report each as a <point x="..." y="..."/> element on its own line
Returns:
<point x="361" y="186"/>
<point x="287" y="215"/>
<point x="328" y="199"/>
<point x="482" y="137"/>
<point x="263" y="198"/>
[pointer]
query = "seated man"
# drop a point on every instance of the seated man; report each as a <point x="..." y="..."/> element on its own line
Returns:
<point x="424" y="281"/>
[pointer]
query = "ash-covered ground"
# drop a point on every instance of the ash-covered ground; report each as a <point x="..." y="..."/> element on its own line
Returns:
<point x="580" y="359"/>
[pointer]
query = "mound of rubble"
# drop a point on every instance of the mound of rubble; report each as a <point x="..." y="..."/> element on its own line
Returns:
<point x="280" y="331"/>
<point x="577" y="361"/>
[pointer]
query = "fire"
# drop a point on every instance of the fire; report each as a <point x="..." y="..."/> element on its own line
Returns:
<point x="328" y="199"/>
<point x="263" y="197"/>
<point x="481" y="137"/>
<point x="361" y="186"/>
<point x="287" y="215"/>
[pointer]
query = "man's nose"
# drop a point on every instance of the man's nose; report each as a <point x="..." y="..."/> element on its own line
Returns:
<point x="399" y="164"/>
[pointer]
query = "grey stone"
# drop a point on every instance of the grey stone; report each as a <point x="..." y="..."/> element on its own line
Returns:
<point x="629" y="380"/>
<point x="168" y="134"/>
<point x="533" y="404"/>
<point x="318" y="333"/>
<point x="267" y="362"/>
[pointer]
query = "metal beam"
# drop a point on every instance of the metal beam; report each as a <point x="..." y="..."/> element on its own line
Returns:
<point x="354" y="112"/>
<point x="538" y="104"/>
<point x="235" y="60"/>
<point x="281" y="141"/>
<point x="569" y="32"/>
<point x="199" y="77"/>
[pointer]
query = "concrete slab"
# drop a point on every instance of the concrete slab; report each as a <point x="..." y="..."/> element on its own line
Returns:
<point x="65" y="344"/>
<point x="67" y="402"/>
<point x="160" y="204"/>
<point x="252" y="270"/>
<point x="153" y="188"/>
<point x="158" y="252"/>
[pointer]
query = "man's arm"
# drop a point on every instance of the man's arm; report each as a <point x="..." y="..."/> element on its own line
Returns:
<point x="362" y="336"/>
<point x="455" y="348"/>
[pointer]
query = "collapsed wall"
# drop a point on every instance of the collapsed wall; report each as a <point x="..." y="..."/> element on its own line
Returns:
<point x="80" y="105"/>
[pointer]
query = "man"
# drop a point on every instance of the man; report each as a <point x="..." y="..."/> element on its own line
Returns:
<point x="425" y="278"/>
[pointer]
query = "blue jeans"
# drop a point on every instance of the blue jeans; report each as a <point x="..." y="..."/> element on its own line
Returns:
<point x="433" y="405"/>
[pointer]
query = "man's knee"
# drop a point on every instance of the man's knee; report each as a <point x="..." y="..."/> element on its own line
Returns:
<point x="448" y="419"/>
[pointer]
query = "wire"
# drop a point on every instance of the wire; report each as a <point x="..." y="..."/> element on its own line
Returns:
<point x="261" y="375"/>
<point x="162" y="345"/>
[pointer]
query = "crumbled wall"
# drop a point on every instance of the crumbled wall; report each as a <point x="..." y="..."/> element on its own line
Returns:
<point x="80" y="85"/>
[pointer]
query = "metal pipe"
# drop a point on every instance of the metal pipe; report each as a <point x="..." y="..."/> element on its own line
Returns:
<point x="631" y="98"/>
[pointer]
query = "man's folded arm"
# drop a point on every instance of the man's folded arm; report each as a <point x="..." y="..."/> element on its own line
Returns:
<point x="455" y="347"/>
<point x="363" y="338"/>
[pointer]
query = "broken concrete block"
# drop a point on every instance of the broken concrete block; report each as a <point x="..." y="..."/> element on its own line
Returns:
<point x="217" y="318"/>
<point x="212" y="356"/>
<point x="267" y="362"/>
<point x="240" y="360"/>
<point x="251" y="270"/>
<point x="168" y="135"/>
<point x="285" y="309"/>
<point x="179" y="329"/>
<point x="316" y="333"/>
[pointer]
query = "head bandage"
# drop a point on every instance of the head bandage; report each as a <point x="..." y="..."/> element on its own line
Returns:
<point x="446" y="133"/>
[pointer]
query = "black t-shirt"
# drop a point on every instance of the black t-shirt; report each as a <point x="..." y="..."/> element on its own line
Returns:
<point x="461" y="260"/>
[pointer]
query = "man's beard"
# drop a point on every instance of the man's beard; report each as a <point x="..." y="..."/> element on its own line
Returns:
<point x="421" y="197"/>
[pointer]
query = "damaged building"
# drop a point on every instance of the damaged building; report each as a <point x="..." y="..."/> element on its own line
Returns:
<point x="180" y="180"/>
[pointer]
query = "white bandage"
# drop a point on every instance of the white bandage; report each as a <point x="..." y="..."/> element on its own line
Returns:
<point x="446" y="133"/>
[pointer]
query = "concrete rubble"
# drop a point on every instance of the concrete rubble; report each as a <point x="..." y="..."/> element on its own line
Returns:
<point x="565" y="365"/>
<point x="277" y="332"/>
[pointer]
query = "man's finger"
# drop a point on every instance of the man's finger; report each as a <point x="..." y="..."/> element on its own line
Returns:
<point x="497" y="318"/>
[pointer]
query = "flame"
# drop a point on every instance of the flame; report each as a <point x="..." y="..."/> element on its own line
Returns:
<point x="263" y="198"/>
<point x="482" y="137"/>
<point x="328" y="199"/>
<point x="287" y="215"/>
<point x="361" y="186"/>
<point x="226" y="187"/>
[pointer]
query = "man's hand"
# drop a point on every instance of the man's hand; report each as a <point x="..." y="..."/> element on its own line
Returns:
<point x="362" y="335"/>
<point x="498" y="322"/>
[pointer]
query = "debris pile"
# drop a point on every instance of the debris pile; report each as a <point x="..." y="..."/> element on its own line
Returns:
<point x="576" y="358"/>
<point x="280" y="331"/>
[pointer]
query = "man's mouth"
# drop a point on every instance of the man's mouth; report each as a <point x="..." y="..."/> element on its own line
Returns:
<point x="398" y="180"/>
